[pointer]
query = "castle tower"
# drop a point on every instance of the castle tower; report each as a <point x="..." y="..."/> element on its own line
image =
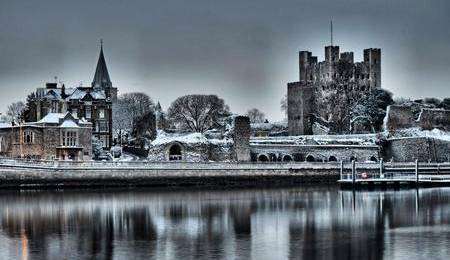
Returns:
<point x="101" y="78"/>
<point x="372" y="59"/>
<point x="307" y="64"/>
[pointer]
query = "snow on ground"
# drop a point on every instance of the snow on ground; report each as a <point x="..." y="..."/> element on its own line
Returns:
<point x="417" y="132"/>
<point x="163" y="138"/>
<point x="359" y="139"/>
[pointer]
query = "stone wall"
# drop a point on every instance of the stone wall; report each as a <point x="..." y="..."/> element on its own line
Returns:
<point x="422" y="148"/>
<point x="434" y="118"/>
<point x="398" y="117"/>
<point x="241" y="138"/>
<point x="317" y="153"/>
<point x="300" y="100"/>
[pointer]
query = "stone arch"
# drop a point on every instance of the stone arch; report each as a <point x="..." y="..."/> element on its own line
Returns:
<point x="298" y="157"/>
<point x="175" y="152"/>
<point x="332" y="159"/>
<point x="373" y="159"/>
<point x="263" y="158"/>
<point x="287" y="158"/>
<point x="310" y="158"/>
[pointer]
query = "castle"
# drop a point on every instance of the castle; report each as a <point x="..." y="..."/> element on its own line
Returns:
<point x="327" y="90"/>
<point x="94" y="104"/>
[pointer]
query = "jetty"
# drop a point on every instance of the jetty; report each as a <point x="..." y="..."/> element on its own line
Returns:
<point x="414" y="173"/>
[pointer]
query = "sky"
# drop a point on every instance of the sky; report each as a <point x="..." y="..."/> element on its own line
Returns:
<point x="244" y="51"/>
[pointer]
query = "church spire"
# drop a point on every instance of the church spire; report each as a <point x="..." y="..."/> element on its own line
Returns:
<point x="101" y="77"/>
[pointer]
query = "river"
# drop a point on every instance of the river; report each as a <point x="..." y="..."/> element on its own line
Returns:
<point x="313" y="222"/>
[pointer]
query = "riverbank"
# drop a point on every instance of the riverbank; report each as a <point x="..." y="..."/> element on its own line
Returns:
<point x="22" y="174"/>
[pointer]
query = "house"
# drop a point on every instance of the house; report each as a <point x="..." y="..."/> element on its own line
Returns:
<point x="56" y="136"/>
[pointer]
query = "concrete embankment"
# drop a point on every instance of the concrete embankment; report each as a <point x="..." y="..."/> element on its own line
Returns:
<point x="170" y="174"/>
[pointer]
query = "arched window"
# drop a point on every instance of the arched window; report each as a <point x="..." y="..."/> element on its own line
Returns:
<point x="332" y="159"/>
<point x="287" y="158"/>
<point x="175" y="153"/>
<point x="310" y="158"/>
<point x="263" y="158"/>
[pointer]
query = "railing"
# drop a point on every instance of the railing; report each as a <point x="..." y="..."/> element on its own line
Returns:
<point x="398" y="172"/>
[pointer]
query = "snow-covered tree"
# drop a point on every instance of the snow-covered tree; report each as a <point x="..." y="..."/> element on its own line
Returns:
<point x="256" y="116"/>
<point x="372" y="108"/>
<point x="197" y="113"/>
<point x="15" y="110"/>
<point x="30" y="111"/>
<point x="128" y="107"/>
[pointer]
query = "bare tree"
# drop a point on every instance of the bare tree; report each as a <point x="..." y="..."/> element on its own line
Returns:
<point x="283" y="105"/>
<point x="15" y="110"/>
<point x="256" y="116"/>
<point x="128" y="107"/>
<point x="197" y="113"/>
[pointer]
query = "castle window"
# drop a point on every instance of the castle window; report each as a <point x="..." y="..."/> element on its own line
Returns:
<point x="28" y="137"/>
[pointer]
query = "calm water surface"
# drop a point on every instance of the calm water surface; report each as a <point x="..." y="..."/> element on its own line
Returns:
<point x="318" y="222"/>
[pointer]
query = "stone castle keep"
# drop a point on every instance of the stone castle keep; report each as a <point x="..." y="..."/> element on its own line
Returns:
<point x="328" y="89"/>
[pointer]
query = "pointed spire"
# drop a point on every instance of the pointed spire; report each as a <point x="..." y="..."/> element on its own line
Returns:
<point x="158" y="107"/>
<point x="101" y="77"/>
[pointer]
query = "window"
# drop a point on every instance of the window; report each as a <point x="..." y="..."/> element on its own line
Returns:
<point x="70" y="138"/>
<point x="28" y="137"/>
<point x="103" y="126"/>
<point x="101" y="113"/>
<point x="88" y="112"/>
<point x="1" y="144"/>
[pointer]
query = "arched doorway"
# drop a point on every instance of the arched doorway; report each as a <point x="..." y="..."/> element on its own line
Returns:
<point x="287" y="158"/>
<point x="175" y="153"/>
<point x="310" y="158"/>
<point x="263" y="158"/>
<point x="332" y="159"/>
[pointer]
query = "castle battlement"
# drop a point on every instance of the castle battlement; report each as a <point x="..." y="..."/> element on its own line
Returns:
<point x="340" y="68"/>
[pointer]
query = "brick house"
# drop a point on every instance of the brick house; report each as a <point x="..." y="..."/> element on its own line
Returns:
<point x="56" y="136"/>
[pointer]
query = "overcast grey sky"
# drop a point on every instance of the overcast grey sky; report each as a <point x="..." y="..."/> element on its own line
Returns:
<point x="245" y="51"/>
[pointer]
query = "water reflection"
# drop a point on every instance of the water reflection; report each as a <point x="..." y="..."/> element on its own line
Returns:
<point x="309" y="223"/>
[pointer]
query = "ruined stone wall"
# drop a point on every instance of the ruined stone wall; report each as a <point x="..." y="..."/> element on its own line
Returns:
<point x="401" y="117"/>
<point x="398" y="117"/>
<point x="434" y="118"/>
<point x="241" y="138"/>
<point x="422" y="148"/>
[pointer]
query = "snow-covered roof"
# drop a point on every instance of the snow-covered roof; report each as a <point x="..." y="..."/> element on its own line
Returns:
<point x="80" y="93"/>
<point x="68" y="123"/>
<point x="5" y="125"/>
<point x="51" y="118"/>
